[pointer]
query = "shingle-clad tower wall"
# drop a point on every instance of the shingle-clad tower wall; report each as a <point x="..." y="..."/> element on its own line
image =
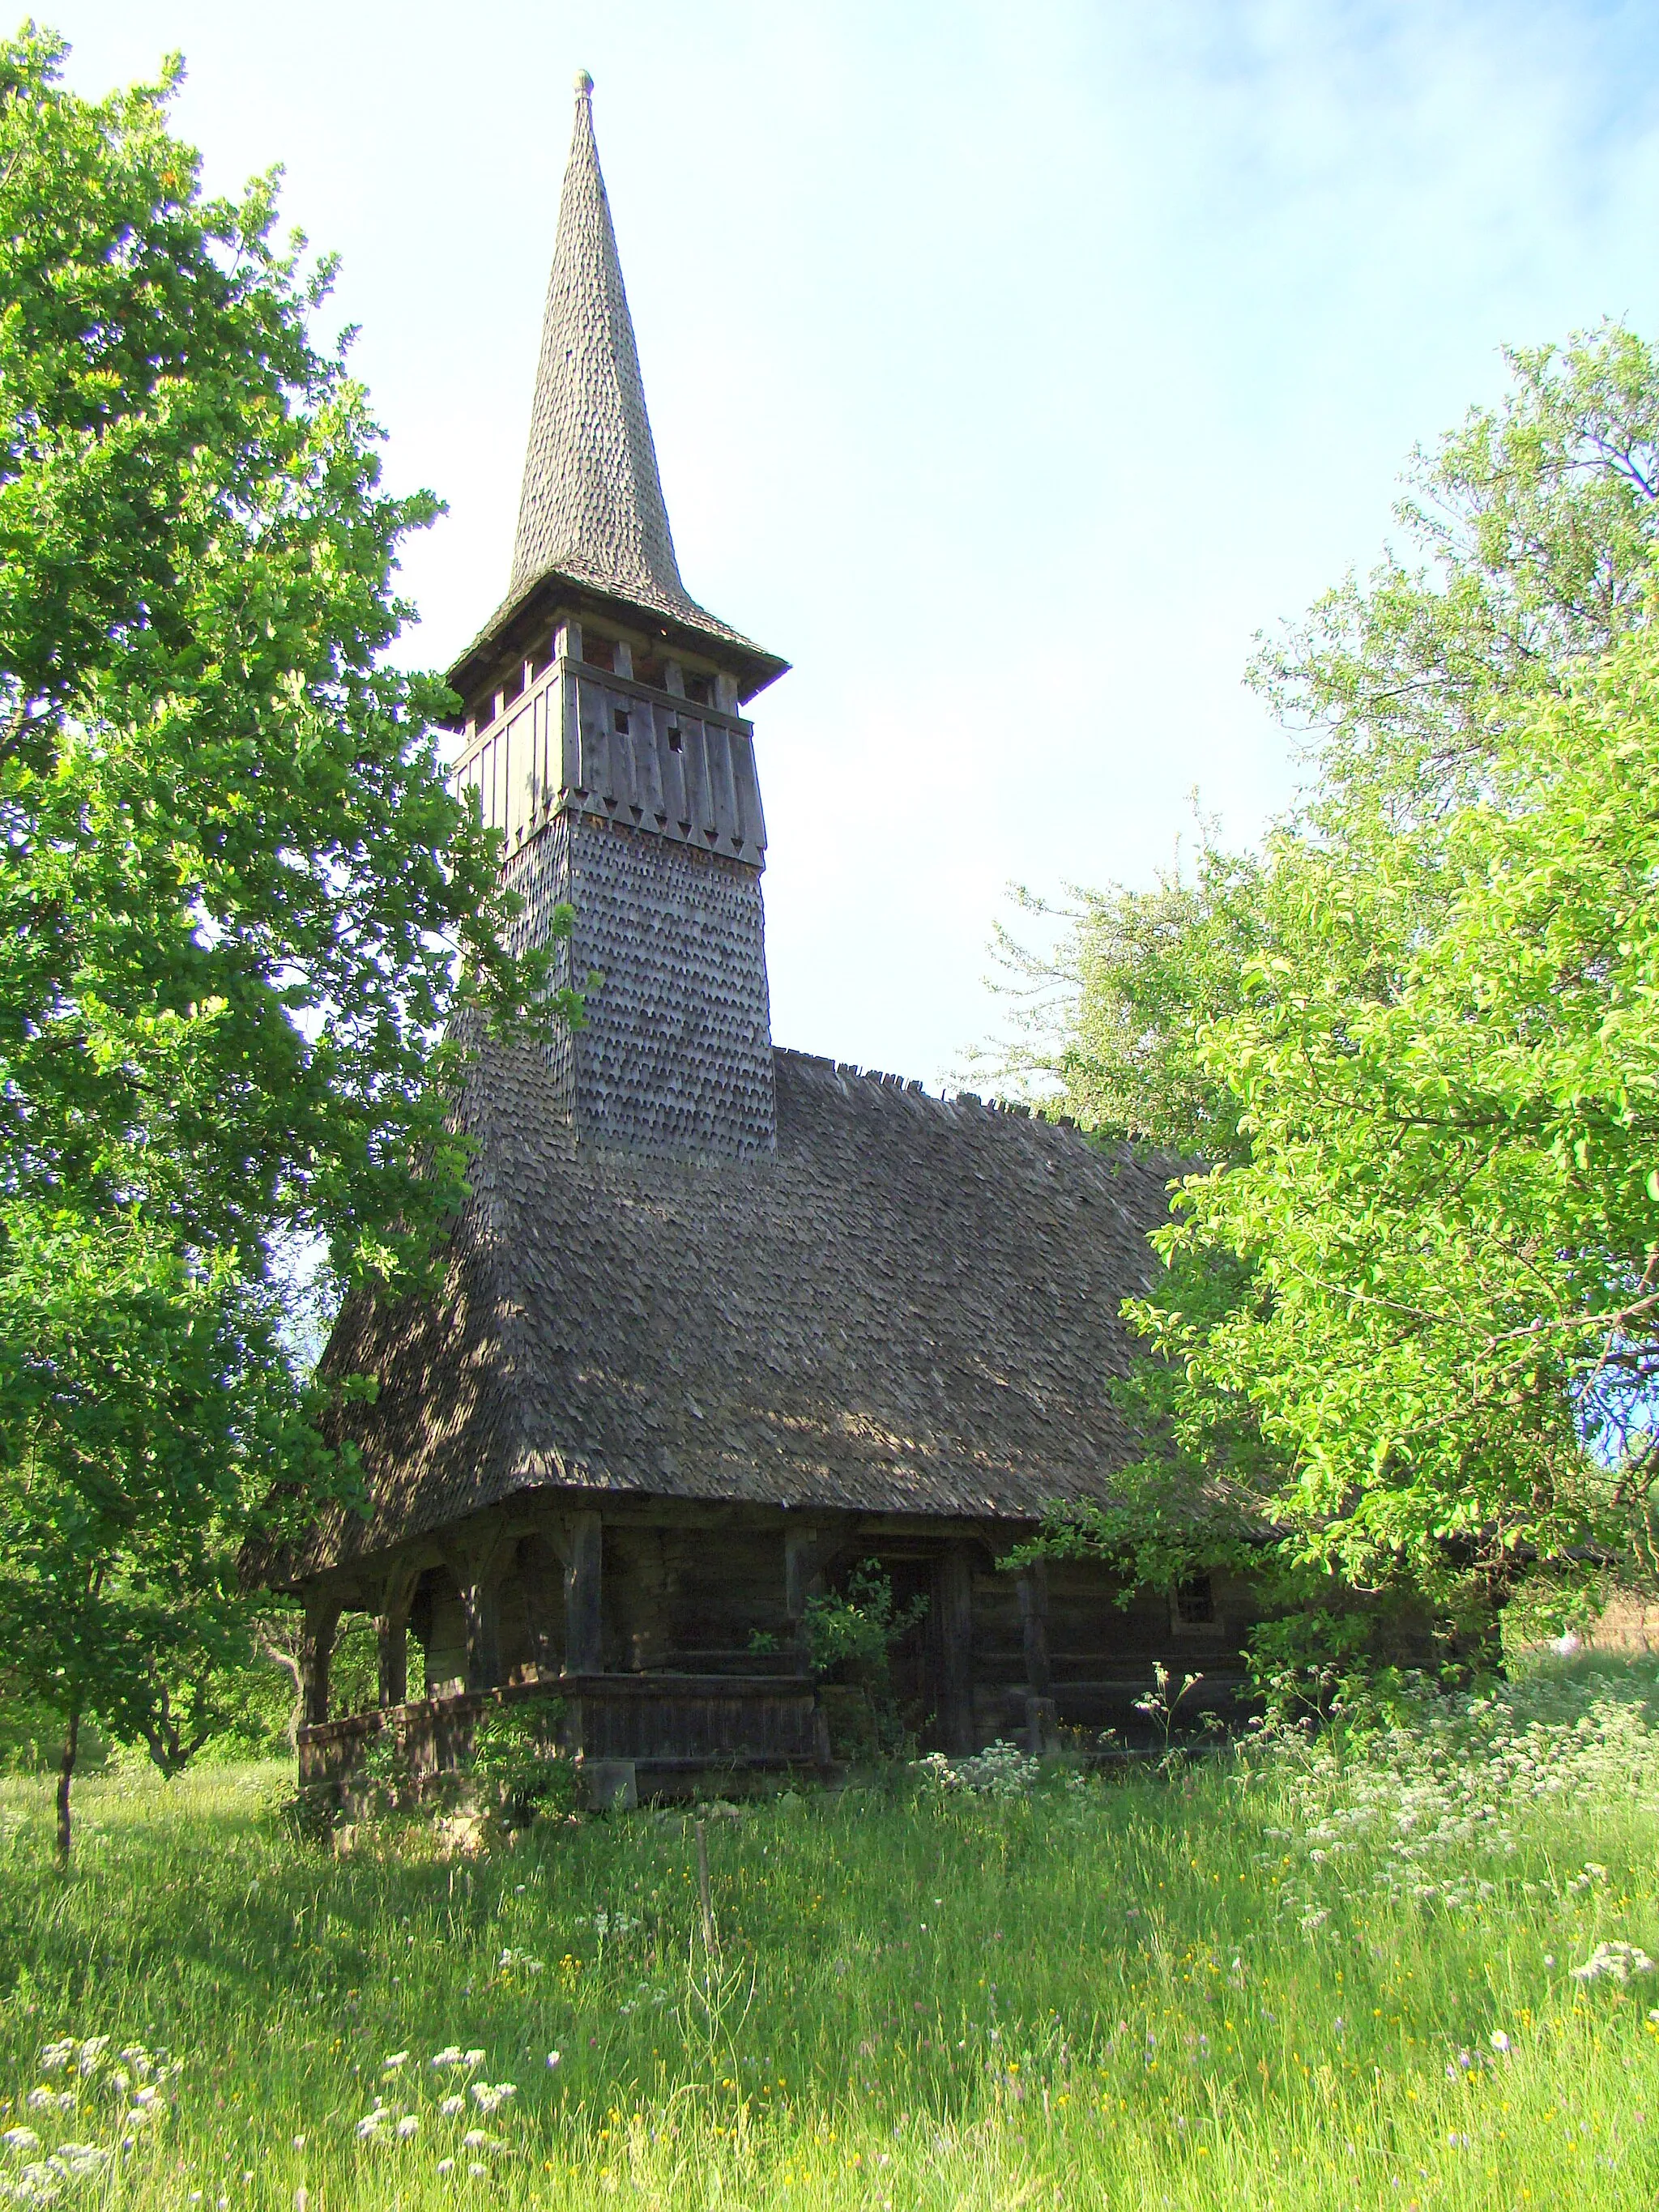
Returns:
<point x="605" y="741"/>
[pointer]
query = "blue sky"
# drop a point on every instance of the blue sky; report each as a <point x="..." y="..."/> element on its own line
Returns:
<point x="1010" y="367"/>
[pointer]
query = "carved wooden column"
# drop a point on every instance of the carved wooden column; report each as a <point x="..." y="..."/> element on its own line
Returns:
<point x="801" y="1579"/>
<point x="955" y="1624"/>
<point x="478" y="1564"/>
<point x="1039" y="1718"/>
<point x="540" y="1573"/>
<point x="584" y="1560"/>
<point x="322" y="1619"/>
<point x="392" y="1633"/>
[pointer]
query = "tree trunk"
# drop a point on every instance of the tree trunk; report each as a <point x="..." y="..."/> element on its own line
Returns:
<point x="65" y="1776"/>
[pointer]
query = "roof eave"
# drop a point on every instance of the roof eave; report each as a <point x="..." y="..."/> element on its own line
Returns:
<point x="754" y="668"/>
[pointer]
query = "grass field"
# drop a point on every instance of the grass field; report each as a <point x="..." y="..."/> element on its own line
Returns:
<point x="1290" y="1979"/>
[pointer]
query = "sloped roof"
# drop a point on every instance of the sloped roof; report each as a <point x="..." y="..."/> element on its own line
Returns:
<point x="591" y="508"/>
<point x="911" y="1307"/>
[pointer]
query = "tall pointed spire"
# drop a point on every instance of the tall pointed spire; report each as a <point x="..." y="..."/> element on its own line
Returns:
<point x="592" y="505"/>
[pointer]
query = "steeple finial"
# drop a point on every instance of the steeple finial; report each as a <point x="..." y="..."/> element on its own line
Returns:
<point x="591" y="504"/>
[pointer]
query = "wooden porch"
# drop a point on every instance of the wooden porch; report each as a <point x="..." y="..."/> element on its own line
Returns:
<point x="675" y="1733"/>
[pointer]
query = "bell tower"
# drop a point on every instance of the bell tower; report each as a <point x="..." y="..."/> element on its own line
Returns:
<point x="605" y="737"/>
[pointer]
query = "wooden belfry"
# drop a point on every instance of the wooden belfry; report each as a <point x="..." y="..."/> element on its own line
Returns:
<point x="720" y="1323"/>
<point x="605" y="740"/>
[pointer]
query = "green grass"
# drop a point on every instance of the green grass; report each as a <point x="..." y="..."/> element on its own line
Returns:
<point x="1119" y="1995"/>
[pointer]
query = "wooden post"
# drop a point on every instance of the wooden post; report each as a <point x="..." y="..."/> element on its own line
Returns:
<point x="584" y="1561"/>
<point x="1039" y="1677"/>
<point x="316" y="1648"/>
<point x="392" y="1633"/>
<point x="478" y="1565"/>
<point x="956" y="1623"/>
<point x="536" y="1569"/>
<point x="800" y="1579"/>
<point x="1034" y="1627"/>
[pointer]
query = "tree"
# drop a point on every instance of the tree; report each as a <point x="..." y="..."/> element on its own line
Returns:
<point x="1407" y="1316"/>
<point x="244" y="926"/>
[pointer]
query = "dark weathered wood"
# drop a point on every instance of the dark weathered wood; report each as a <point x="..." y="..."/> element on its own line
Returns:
<point x="584" y="1560"/>
<point x="679" y="1728"/>
<point x="955" y="1642"/>
<point x="392" y="1633"/>
<point x="477" y="1561"/>
<point x="322" y="1619"/>
<point x="1034" y="1627"/>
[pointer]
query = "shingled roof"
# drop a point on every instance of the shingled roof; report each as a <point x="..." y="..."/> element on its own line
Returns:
<point x="910" y="1307"/>
<point x="590" y="508"/>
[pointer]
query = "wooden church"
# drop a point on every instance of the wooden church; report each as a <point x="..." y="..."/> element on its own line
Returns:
<point x="721" y="1322"/>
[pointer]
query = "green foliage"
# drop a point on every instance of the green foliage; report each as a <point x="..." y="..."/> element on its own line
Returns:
<point x="1204" y="1986"/>
<point x="244" y="928"/>
<point x="1407" y="1324"/>
<point x="851" y="1635"/>
<point x="518" y="1770"/>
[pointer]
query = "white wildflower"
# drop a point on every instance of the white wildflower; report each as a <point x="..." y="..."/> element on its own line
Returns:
<point x="1616" y="1962"/>
<point x="409" y="2125"/>
<point x="472" y="2058"/>
<point x="20" y="2139"/>
<point x="78" y="2160"/>
<point x="393" y="2060"/>
<point x="1500" y="2042"/>
<point x="446" y="2165"/>
<point x="490" y="2096"/>
<point x="452" y="2105"/>
<point x="57" y="2055"/>
<point x="552" y="2057"/>
<point x="474" y="2169"/>
<point x="475" y="2139"/>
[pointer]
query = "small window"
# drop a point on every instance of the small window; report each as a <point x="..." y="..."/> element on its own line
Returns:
<point x="675" y="740"/>
<point x="1194" y="1602"/>
<point x="701" y="689"/>
<point x="619" y="720"/>
<point x="598" y="651"/>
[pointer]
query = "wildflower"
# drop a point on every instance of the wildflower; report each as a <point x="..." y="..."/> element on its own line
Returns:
<point x="490" y="2096"/>
<point x="475" y="2139"/>
<point x="449" y="2056"/>
<point x="1500" y="2042"/>
<point x="1616" y="1962"/>
<point x="552" y="2057"/>
<point x="302" y="2198"/>
<point x="472" y="2058"/>
<point x="298" y="2142"/>
<point x="20" y="2139"/>
<point x="408" y="2126"/>
<point x="474" y="2169"/>
<point x="446" y="2165"/>
<point x="91" y="2052"/>
<point x="452" y="2105"/>
<point x="57" y="2055"/>
<point x="394" y="2060"/>
<point x="79" y="2159"/>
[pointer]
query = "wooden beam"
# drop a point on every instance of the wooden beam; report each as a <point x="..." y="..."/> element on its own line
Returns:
<point x="955" y="1624"/>
<point x="392" y="1633"/>
<point x="1034" y="1627"/>
<point x="477" y="1561"/>
<point x="322" y="1619"/>
<point x="584" y="1560"/>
